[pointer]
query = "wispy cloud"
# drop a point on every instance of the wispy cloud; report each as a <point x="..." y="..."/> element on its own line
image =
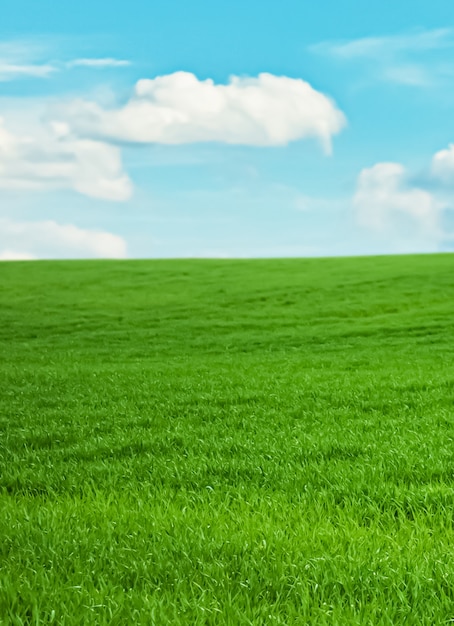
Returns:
<point x="23" y="50"/>
<point x="409" y="74"/>
<point x="33" y="59"/>
<point x="411" y="59"/>
<point x="390" y="45"/>
<point x="99" y="63"/>
<point x="24" y="59"/>
<point x="13" y="71"/>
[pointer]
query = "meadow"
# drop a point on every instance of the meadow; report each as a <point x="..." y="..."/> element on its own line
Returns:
<point x="239" y="442"/>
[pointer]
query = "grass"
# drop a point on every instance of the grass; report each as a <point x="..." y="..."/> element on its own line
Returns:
<point x="227" y="442"/>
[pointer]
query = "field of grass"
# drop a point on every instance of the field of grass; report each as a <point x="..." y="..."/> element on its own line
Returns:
<point x="227" y="442"/>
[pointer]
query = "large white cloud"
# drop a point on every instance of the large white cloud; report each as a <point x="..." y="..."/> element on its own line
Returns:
<point x="178" y="108"/>
<point x="386" y="204"/>
<point x="51" y="159"/>
<point x="48" y="239"/>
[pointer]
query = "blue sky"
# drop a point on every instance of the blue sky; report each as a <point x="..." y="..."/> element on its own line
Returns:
<point x="194" y="129"/>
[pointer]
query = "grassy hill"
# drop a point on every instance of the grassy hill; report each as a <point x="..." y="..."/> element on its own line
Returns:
<point x="227" y="442"/>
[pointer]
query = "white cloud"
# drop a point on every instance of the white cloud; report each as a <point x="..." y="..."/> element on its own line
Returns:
<point x="14" y="255"/>
<point x="443" y="165"/>
<point x="48" y="239"/>
<point x="411" y="212"/>
<point x="99" y="63"/>
<point x="387" y="205"/>
<point x="52" y="159"/>
<point x="178" y="108"/>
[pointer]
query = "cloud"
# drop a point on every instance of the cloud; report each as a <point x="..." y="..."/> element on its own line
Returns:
<point x="98" y="63"/>
<point x="443" y="166"/>
<point x="415" y="59"/>
<point x="24" y="59"/>
<point x="412" y="212"/>
<point x="388" y="205"/>
<point x="14" y="255"/>
<point x="411" y="75"/>
<point x="12" y="71"/>
<point x="48" y="239"/>
<point x="52" y="159"/>
<point x="24" y="49"/>
<point x="179" y="108"/>
<point x="377" y="47"/>
<point x="30" y="59"/>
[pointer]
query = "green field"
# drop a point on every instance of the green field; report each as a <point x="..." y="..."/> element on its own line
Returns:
<point x="227" y="442"/>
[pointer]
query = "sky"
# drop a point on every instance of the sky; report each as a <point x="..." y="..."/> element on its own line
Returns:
<point x="148" y="129"/>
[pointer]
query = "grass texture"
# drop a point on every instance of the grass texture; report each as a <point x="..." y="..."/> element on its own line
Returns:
<point x="227" y="442"/>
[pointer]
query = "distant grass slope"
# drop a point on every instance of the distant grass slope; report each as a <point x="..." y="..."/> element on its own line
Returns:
<point x="227" y="442"/>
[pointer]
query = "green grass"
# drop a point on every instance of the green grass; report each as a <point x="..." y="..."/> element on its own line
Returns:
<point x="227" y="442"/>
